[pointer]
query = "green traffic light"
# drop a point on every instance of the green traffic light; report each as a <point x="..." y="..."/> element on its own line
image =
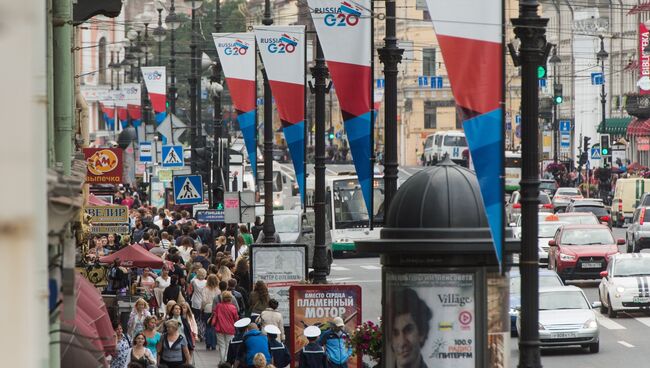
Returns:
<point x="558" y="100"/>
<point x="605" y="151"/>
<point x="331" y="136"/>
<point x="541" y="72"/>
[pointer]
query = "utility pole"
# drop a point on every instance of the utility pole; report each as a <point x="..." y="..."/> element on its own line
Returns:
<point x="269" y="226"/>
<point x="192" y="84"/>
<point x="556" y="124"/>
<point x="602" y="56"/>
<point x="320" y="73"/>
<point x="63" y="82"/>
<point x="530" y="29"/>
<point x="172" y="59"/>
<point x="390" y="55"/>
<point x="219" y="186"/>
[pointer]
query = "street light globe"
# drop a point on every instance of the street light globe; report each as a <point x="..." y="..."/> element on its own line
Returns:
<point x="159" y="4"/>
<point x="172" y="21"/>
<point x="132" y="34"/>
<point x="159" y="34"/>
<point x="194" y="4"/>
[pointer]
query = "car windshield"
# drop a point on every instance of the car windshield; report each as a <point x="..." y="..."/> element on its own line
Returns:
<point x="547" y="229"/>
<point x="545" y="280"/>
<point x="286" y="223"/>
<point x="455" y="141"/>
<point x="596" y="210"/>
<point x="632" y="267"/>
<point x="349" y="206"/>
<point x="579" y="219"/>
<point x="544" y="198"/>
<point x="547" y="185"/>
<point x="554" y="300"/>
<point x="587" y="237"/>
<point x="568" y="191"/>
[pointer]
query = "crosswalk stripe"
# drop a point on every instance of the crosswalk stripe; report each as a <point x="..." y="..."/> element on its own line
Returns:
<point x="626" y="344"/>
<point x="339" y="268"/>
<point x="371" y="267"/>
<point x="608" y="323"/>
<point x="644" y="320"/>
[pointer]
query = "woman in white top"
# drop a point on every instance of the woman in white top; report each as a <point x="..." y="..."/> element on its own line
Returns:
<point x="138" y="314"/>
<point x="162" y="282"/>
<point x="210" y="291"/>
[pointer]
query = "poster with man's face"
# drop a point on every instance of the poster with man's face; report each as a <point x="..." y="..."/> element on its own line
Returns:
<point x="430" y="320"/>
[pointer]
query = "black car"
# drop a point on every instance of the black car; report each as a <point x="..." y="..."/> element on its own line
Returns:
<point x="594" y="206"/>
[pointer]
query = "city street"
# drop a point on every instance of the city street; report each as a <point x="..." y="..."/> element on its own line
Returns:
<point x="623" y="340"/>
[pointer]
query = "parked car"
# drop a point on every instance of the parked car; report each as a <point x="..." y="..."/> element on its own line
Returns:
<point x="619" y="289"/>
<point x="546" y="231"/>
<point x="644" y="201"/>
<point x="637" y="235"/>
<point x="581" y="218"/>
<point x="548" y="186"/>
<point x="563" y="196"/>
<point x="566" y="319"/>
<point x="547" y="278"/>
<point x="626" y="198"/>
<point x="513" y="207"/>
<point x="582" y="251"/>
<point x="594" y="206"/>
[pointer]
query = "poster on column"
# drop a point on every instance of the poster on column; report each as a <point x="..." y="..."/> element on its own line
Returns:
<point x="318" y="305"/>
<point x="441" y="307"/>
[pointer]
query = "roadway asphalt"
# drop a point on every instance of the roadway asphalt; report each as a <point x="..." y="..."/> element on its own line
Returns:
<point x="623" y="340"/>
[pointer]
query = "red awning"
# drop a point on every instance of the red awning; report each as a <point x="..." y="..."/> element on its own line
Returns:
<point x="134" y="256"/>
<point x="639" y="127"/>
<point x="93" y="200"/>
<point x="90" y="336"/>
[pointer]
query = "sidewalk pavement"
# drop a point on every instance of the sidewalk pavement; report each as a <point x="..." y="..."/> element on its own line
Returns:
<point x="204" y="358"/>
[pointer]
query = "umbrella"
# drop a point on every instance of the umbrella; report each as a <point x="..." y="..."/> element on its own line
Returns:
<point x="93" y="200"/>
<point x="134" y="256"/>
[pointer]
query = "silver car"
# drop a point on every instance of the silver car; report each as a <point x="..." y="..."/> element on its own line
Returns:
<point x="566" y="319"/>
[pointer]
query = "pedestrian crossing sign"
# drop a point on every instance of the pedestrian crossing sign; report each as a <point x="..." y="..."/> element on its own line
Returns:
<point x="188" y="189"/>
<point x="172" y="156"/>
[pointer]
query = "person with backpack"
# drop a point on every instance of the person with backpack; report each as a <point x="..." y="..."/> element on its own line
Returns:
<point x="270" y="316"/>
<point x="253" y="342"/>
<point x="279" y="352"/>
<point x="334" y="340"/>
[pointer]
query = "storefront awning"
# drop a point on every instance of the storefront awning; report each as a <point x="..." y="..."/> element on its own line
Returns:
<point x="614" y="125"/>
<point x="639" y="127"/>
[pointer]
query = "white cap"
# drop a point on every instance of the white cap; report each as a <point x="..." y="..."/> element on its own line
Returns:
<point x="312" y="331"/>
<point x="272" y="329"/>
<point x="338" y="322"/>
<point x="243" y="322"/>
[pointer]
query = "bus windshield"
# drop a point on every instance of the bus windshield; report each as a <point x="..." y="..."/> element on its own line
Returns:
<point x="349" y="206"/>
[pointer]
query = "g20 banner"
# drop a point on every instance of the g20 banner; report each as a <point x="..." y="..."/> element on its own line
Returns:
<point x="104" y="165"/>
<point x="237" y="56"/>
<point x="470" y="30"/>
<point x="155" y="79"/>
<point x="345" y="34"/>
<point x="283" y="52"/>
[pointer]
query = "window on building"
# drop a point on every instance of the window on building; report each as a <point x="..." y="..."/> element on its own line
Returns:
<point x="429" y="115"/>
<point x="101" y="58"/>
<point x="422" y="5"/>
<point x="459" y="120"/>
<point x="428" y="61"/>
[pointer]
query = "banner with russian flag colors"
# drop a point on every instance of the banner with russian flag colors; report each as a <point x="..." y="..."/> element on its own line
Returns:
<point x="133" y="103"/>
<point x="108" y="113"/>
<point x="119" y="97"/>
<point x="344" y="30"/>
<point x="283" y="52"/>
<point x="470" y="34"/>
<point x="237" y="56"/>
<point x="155" y="79"/>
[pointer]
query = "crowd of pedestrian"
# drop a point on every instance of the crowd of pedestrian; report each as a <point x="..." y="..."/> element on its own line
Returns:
<point x="202" y="296"/>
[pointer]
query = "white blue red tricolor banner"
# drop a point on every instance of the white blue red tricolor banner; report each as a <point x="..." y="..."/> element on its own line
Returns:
<point x="283" y="53"/>
<point x="133" y="104"/>
<point x="108" y="112"/>
<point x="237" y="56"/>
<point x="155" y="79"/>
<point x="470" y="34"/>
<point x="344" y="30"/>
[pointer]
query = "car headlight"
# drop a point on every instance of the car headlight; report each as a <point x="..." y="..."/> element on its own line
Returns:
<point x="620" y="289"/>
<point x="541" y="326"/>
<point x="590" y="324"/>
<point x="567" y="257"/>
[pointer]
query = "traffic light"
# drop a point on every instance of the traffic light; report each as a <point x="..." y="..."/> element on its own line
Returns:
<point x="202" y="157"/>
<point x="583" y="158"/>
<point x="585" y="143"/>
<point x="330" y="134"/>
<point x="604" y="145"/>
<point x="557" y="94"/>
<point x="541" y="72"/>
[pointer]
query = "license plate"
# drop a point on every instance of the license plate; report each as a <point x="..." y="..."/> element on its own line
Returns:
<point x="591" y="265"/>
<point x="563" y="335"/>
<point x="641" y="299"/>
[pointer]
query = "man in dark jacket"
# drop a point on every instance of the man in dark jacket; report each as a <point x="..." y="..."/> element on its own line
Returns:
<point x="279" y="352"/>
<point x="235" y="343"/>
<point x="312" y="355"/>
<point x="253" y="342"/>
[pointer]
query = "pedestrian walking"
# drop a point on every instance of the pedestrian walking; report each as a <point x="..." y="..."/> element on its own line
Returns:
<point x="312" y="355"/>
<point x="253" y="342"/>
<point x="139" y="312"/>
<point x="259" y="297"/>
<point x="122" y="346"/>
<point x="270" y="316"/>
<point x="173" y="349"/>
<point x="259" y="361"/>
<point x="280" y="356"/>
<point x="210" y="291"/>
<point x="151" y="335"/>
<point x="176" y="314"/>
<point x="186" y="312"/>
<point x="235" y="343"/>
<point x="139" y="352"/>
<point x="173" y="291"/>
<point x="224" y="316"/>
<point x="198" y="285"/>
<point x="335" y="341"/>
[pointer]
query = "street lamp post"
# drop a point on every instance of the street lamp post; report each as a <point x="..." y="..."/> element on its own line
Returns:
<point x="219" y="184"/>
<point x="556" y="129"/>
<point x="530" y="29"/>
<point x="269" y="226"/>
<point x="390" y="55"/>
<point x="173" y="22"/>
<point x="192" y="80"/>
<point x="602" y="56"/>
<point x="159" y="33"/>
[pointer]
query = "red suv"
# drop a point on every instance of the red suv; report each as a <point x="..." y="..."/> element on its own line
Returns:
<point x="582" y="251"/>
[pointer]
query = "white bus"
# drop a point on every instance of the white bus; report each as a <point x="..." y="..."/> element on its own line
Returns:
<point x="512" y="165"/>
<point x="347" y="216"/>
<point x="445" y="143"/>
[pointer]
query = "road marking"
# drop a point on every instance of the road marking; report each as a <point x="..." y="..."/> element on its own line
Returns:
<point x="371" y="267"/>
<point x="626" y="344"/>
<point x="339" y="268"/>
<point x="644" y="320"/>
<point x="608" y="323"/>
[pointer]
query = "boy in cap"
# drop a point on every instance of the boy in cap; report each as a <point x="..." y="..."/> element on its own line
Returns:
<point x="312" y="355"/>
<point x="252" y="343"/>
<point x="334" y="342"/>
<point x="236" y="341"/>
<point x="279" y="352"/>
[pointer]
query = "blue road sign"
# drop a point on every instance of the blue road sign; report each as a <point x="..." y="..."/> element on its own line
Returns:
<point x="518" y="131"/>
<point x="517" y="119"/>
<point x="565" y="139"/>
<point x="565" y="125"/>
<point x="172" y="156"/>
<point x="595" y="153"/>
<point x="542" y="82"/>
<point x="210" y="216"/>
<point x="188" y="189"/>
<point x="145" y="152"/>
<point x="597" y="78"/>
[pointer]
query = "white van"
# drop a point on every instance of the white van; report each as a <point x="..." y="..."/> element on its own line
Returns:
<point x="447" y="143"/>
